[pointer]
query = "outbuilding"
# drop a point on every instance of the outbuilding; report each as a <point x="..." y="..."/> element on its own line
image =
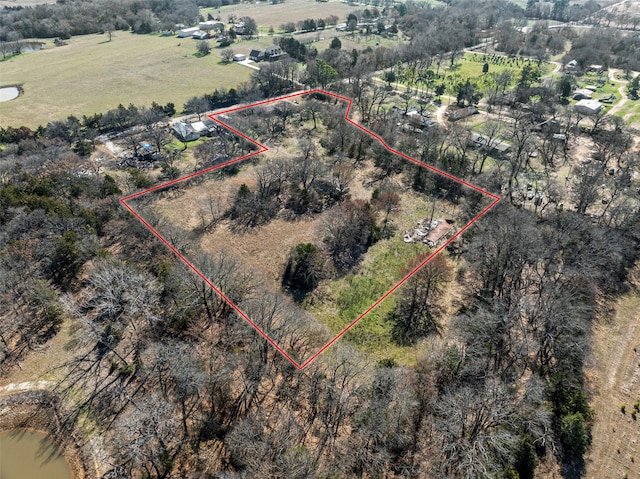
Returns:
<point x="200" y="35"/>
<point x="582" y="94"/>
<point x="187" y="32"/>
<point x="256" y="55"/>
<point x="185" y="132"/>
<point x="211" y="25"/>
<point x="588" y="107"/>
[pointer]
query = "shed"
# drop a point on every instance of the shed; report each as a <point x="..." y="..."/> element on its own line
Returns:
<point x="442" y="229"/>
<point x="460" y="113"/>
<point x="582" y="94"/>
<point x="200" y="128"/>
<point x="495" y="147"/>
<point x="588" y="107"/>
<point x="187" y="32"/>
<point x="200" y="35"/>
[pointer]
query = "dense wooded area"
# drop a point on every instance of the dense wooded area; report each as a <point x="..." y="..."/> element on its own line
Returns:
<point x="79" y="17"/>
<point x="181" y="387"/>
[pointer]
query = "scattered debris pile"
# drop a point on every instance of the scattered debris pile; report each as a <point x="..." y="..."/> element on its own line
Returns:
<point x="430" y="232"/>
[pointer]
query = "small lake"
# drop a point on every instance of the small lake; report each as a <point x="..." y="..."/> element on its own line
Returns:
<point x="26" y="454"/>
<point x="9" y="93"/>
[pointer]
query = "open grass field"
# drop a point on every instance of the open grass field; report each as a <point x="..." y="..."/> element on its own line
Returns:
<point x="630" y="113"/>
<point x="469" y="66"/>
<point x="91" y="75"/>
<point x="267" y="15"/>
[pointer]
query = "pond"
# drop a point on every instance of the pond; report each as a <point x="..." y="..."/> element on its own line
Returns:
<point x="9" y="93"/>
<point x="27" y="454"/>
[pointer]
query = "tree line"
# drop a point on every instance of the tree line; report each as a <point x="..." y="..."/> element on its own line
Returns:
<point x="80" y="17"/>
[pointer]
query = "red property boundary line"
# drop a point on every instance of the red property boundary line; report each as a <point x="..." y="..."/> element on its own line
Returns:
<point x="262" y="149"/>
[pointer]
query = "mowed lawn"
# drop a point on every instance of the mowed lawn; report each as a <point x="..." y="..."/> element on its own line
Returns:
<point x="91" y="75"/>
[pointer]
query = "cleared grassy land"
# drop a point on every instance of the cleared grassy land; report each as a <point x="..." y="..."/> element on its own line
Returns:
<point x="469" y="66"/>
<point x="91" y="75"/>
<point x="630" y="113"/>
<point x="339" y="301"/>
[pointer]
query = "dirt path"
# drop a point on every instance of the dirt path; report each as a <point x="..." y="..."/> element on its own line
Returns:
<point x="623" y="94"/>
<point x="615" y="380"/>
<point x="440" y="115"/>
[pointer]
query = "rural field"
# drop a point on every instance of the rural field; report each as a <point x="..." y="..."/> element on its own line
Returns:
<point x="92" y="75"/>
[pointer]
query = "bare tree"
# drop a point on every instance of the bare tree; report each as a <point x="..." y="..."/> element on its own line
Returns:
<point x="347" y="231"/>
<point x="418" y="310"/>
<point x="197" y="104"/>
<point x="588" y="179"/>
<point x="475" y="427"/>
<point x="203" y="47"/>
<point x="144" y="439"/>
<point x="227" y="55"/>
<point x="490" y="131"/>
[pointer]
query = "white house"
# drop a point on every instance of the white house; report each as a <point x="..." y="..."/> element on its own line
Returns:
<point x="211" y="25"/>
<point x="187" y="32"/>
<point x="185" y="132"/>
<point x="571" y="66"/>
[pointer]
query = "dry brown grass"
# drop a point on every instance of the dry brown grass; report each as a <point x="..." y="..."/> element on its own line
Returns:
<point x="290" y="11"/>
<point x="43" y="364"/>
<point x="264" y="248"/>
<point x="615" y="380"/>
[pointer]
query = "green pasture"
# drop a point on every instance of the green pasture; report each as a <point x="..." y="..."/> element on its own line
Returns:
<point x="91" y="75"/>
<point x="630" y="112"/>
<point x="469" y="66"/>
<point x="346" y="298"/>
